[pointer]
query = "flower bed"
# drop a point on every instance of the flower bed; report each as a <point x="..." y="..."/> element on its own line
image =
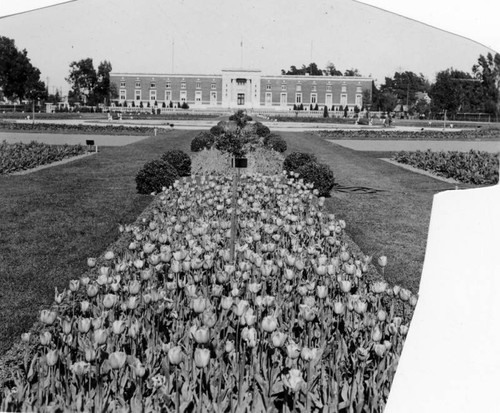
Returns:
<point x="480" y="134"/>
<point x="81" y="129"/>
<point x="172" y="324"/>
<point x="21" y="156"/>
<point x="473" y="167"/>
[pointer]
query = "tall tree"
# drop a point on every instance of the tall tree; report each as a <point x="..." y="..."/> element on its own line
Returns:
<point x="19" y="79"/>
<point x="456" y="91"/>
<point x="105" y="90"/>
<point x="487" y="70"/>
<point x="405" y="85"/>
<point x="312" y="69"/>
<point x="352" y="72"/>
<point x="83" y="80"/>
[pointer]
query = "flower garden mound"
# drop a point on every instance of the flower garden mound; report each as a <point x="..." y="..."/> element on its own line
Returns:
<point x="170" y="323"/>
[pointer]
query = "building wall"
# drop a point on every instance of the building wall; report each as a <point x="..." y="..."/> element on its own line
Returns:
<point x="266" y="91"/>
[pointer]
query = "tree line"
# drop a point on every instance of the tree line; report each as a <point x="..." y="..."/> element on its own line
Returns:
<point x="453" y="91"/>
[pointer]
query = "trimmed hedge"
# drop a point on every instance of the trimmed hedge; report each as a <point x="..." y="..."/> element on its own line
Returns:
<point x="275" y="142"/>
<point x="230" y="143"/>
<point x="217" y="130"/>
<point x="155" y="175"/>
<point x="179" y="160"/>
<point x="297" y="159"/>
<point x="204" y="140"/>
<point x="261" y="130"/>
<point x="318" y="174"/>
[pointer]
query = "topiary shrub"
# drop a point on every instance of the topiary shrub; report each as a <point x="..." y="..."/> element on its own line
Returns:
<point x="230" y="143"/>
<point x="261" y="129"/>
<point x="241" y="118"/>
<point x="318" y="174"/>
<point x="179" y="160"/>
<point x="204" y="140"/>
<point x="275" y="142"/>
<point x="296" y="159"/>
<point x="217" y="130"/>
<point x="154" y="176"/>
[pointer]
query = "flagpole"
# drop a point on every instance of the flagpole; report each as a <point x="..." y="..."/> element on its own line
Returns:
<point x="241" y="53"/>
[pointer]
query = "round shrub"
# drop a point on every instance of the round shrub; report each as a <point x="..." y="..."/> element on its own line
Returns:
<point x="261" y="129"/>
<point x="230" y="143"/>
<point x="217" y="130"/>
<point x="204" y="140"/>
<point x="275" y="142"/>
<point x="296" y="159"/>
<point x="318" y="174"/>
<point x="154" y="176"/>
<point x="241" y="118"/>
<point x="179" y="160"/>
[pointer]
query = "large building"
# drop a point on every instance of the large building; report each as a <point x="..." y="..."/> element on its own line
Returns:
<point x="240" y="88"/>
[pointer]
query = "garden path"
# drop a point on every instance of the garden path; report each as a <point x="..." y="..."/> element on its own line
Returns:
<point x="70" y="139"/>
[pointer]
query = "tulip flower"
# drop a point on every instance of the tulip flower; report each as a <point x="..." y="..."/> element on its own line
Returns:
<point x="48" y="317"/>
<point x="100" y="336"/>
<point x="92" y="290"/>
<point x="90" y="354"/>
<point x="404" y="294"/>
<point x="109" y="255"/>
<point x="382" y="261"/>
<point x="84" y="325"/>
<point x="80" y="368"/>
<point x="175" y="355"/>
<point x="240" y="308"/>
<point x="338" y="307"/>
<point x="269" y="324"/>
<point x="201" y="335"/>
<point x="91" y="262"/>
<point x="308" y="354"/>
<point x="379" y="287"/>
<point x="229" y="346"/>
<point x="345" y="286"/>
<point x="25" y="337"/>
<point x="199" y="304"/>
<point x="84" y="306"/>
<point x="376" y="334"/>
<point x="381" y="315"/>
<point x="118" y="327"/>
<point x="226" y="303"/>
<point x="278" y="339"/>
<point x="293" y="380"/>
<point x="379" y="349"/>
<point x="117" y="359"/>
<point x="292" y="350"/>
<point x="45" y="338"/>
<point x="201" y="357"/>
<point x="109" y="300"/>
<point x="249" y="317"/>
<point x="209" y="319"/>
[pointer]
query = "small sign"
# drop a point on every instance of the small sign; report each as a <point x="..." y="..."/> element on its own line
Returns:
<point x="89" y="142"/>
<point x="240" y="162"/>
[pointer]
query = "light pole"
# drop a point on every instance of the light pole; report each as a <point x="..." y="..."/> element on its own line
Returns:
<point x="238" y="163"/>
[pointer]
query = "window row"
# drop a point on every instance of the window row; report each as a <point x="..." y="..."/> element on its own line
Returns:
<point x="313" y="99"/>
<point x="168" y="95"/>
<point x="168" y="85"/>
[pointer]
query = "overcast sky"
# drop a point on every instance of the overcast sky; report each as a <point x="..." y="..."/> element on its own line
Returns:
<point x="477" y="20"/>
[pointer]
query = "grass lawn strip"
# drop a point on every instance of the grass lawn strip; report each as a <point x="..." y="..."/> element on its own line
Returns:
<point x="52" y="220"/>
<point x="50" y="165"/>
<point x="421" y="171"/>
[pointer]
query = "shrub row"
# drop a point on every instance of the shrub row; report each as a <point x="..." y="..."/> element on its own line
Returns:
<point x="83" y="129"/>
<point x="311" y="171"/>
<point x="473" y="167"/>
<point x="163" y="172"/>
<point x="422" y="134"/>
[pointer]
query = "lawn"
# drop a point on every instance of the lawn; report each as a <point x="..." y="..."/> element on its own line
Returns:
<point x="53" y="219"/>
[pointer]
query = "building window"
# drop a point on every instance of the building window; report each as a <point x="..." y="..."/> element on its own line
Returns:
<point x="283" y="87"/>
<point x="328" y="99"/>
<point x="314" y="89"/>
<point x="213" y="98"/>
<point x="153" y="85"/>
<point x="283" y="99"/>
<point x="152" y="94"/>
<point x="269" y="98"/>
<point x="212" y="86"/>
<point x="314" y="98"/>
<point x="241" y="99"/>
<point x="137" y="95"/>
<point x="183" y="85"/>
<point x="298" y="98"/>
<point x="198" y="85"/>
<point x="359" y="101"/>
<point x="122" y="84"/>
<point x="328" y="88"/>
<point x="268" y="87"/>
<point x="168" y="85"/>
<point x="299" y="88"/>
<point x="183" y="96"/>
<point x="359" y="89"/>
<point x="197" y="97"/>
<point x="123" y="94"/>
<point x="344" y="89"/>
<point x="343" y="99"/>
<point x="137" y="84"/>
<point x="168" y="95"/>
<point x="241" y="82"/>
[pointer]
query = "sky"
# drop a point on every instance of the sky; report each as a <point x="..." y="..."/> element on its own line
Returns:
<point x="476" y="20"/>
<point x="274" y="35"/>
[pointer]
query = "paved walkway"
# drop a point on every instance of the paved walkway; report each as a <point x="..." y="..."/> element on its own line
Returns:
<point x="414" y="145"/>
<point x="70" y="139"/>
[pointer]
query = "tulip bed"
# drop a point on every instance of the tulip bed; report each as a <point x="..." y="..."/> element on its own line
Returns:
<point x="21" y="156"/>
<point x="171" y="323"/>
<point x="474" y="167"/>
<point x="383" y="134"/>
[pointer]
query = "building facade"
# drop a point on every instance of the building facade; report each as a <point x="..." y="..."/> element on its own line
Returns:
<point x="240" y="89"/>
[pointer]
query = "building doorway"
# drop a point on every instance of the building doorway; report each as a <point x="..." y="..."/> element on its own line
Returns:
<point x="241" y="99"/>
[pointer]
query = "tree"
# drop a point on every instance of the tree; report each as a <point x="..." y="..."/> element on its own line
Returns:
<point x="311" y="69"/>
<point x="487" y="70"/>
<point x="456" y="91"/>
<point x="352" y="72"/>
<point x="19" y="79"/>
<point x="89" y="85"/>
<point x="325" y="112"/>
<point x="331" y="70"/>
<point x="405" y="86"/>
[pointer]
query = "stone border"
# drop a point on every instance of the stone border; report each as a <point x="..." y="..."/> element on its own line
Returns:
<point x="421" y="171"/>
<point x="48" y="165"/>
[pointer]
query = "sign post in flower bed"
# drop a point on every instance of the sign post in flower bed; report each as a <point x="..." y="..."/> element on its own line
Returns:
<point x="238" y="163"/>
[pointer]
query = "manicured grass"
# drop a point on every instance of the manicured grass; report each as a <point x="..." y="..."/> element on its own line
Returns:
<point x="392" y="221"/>
<point x="53" y="219"/>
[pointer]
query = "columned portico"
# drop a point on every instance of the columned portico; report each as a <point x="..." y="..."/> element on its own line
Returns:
<point x="240" y="88"/>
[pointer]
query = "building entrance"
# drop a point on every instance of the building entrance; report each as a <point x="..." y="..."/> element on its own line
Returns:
<point x="241" y="99"/>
